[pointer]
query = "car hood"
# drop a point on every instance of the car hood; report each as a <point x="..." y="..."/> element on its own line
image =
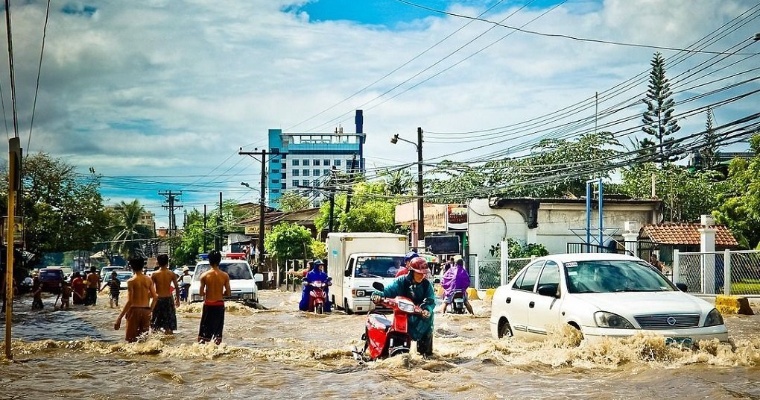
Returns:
<point x="645" y="302"/>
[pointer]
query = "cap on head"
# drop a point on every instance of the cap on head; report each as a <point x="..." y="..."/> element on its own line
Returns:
<point x="410" y="255"/>
<point x="418" y="264"/>
<point x="186" y="269"/>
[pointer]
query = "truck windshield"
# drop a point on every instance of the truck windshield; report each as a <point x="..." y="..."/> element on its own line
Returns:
<point x="237" y="270"/>
<point x="378" y="266"/>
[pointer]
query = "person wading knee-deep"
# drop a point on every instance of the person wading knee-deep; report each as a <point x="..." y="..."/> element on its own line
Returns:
<point x="215" y="285"/>
<point x="164" y="313"/>
<point x="141" y="295"/>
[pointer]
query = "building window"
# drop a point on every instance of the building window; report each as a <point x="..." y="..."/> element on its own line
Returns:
<point x="305" y="163"/>
<point x="275" y="171"/>
<point x="284" y="176"/>
<point x="336" y="163"/>
<point x="326" y="172"/>
<point x="295" y="162"/>
<point x="326" y="162"/>
<point x="316" y="162"/>
<point x="284" y="186"/>
<point x="305" y="172"/>
<point x="275" y="181"/>
<point x="315" y="172"/>
<point x="305" y="183"/>
<point x="296" y="172"/>
<point x="275" y="190"/>
<point x="295" y="182"/>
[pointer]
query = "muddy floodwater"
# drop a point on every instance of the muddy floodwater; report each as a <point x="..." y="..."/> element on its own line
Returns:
<point x="282" y="353"/>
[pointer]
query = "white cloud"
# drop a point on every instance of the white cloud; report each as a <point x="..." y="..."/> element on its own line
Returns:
<point x="174" y="89"/>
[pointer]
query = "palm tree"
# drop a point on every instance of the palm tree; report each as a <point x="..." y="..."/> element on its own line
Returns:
<point x="128" y="217"/>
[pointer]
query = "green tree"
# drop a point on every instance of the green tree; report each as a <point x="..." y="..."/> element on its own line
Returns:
<point x="709" y="151"/>
<point x="658" y="119"/>
<point x="398" y="181"/>
<point x="372" y="210"/>
<point x="292" y="201"/>
<point x="739" y="201"/>
<point x="191" y="242"/>
<point x="685" y="195"/>
<point x="127" y="218"/>
<point x="289" y="241"/>
<point x="62" y="210"/>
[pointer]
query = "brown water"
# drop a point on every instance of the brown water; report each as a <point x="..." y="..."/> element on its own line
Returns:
<point x="282" y="353"/>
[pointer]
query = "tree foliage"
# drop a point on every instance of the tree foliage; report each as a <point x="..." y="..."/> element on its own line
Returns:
<point x="62" y="209"/>
<point x="739" y="201"/>
<point x="685" y="195"/>
<point x="372" y="210"/>
<point x="192" y="240"/>
<point x="292" y="201"/>
<point x="126" y="217"/>
<point x="709" y="151"/>
<point x="289" y="241"/>
<point x="658" y="119"/>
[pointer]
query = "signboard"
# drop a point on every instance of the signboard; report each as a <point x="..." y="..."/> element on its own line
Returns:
<point x="443" y="244"/>
<point x="18" y="233"/>
<point x="457" y="217"/>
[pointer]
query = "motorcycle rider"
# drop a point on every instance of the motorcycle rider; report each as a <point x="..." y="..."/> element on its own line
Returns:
<point x="404" y="270"/>
<point x="315" y="274"/>
<point x="456" y="278"/>
<point x="418" y="288"/>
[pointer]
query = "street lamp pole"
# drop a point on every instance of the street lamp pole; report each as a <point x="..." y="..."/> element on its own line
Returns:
<point x="420" y="194"/>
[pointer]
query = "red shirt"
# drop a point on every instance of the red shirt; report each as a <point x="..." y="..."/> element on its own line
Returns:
<point x="78" y="286"/>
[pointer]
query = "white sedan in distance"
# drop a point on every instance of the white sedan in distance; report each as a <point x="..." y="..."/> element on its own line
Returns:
<point x="601" y="295"/>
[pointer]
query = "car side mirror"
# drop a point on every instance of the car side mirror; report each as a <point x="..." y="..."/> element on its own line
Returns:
<point x="378" y="286"/>
<point x="347" y="273"/>
<point x="548" y="290"/>
<point x="682" y="287"/>
<point x="258" y="277"/>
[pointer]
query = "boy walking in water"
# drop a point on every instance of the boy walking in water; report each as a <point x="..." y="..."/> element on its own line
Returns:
<point x="114" y="287"/>
<point x="164" y="313"/>
<point x="140" y="294"/>
<point x="215" y="284"/>
<point x="92" y="287"/>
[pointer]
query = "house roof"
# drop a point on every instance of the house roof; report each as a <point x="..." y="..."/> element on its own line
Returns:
<point x="687" y="233"/>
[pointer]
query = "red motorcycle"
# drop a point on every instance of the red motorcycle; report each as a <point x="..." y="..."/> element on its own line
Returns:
<point x="387" y="336"/>
<point x="317" y="297"/>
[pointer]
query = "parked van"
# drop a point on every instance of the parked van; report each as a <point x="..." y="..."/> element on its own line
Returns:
<point x="242" y="280"/>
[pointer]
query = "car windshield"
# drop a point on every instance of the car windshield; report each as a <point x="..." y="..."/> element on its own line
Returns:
<point x="48" y="274"/>
<point x="378" y="266"/>
<point x="237" y="270"/>
<point x="123" y="276"/>
<point x="607" y="276"/>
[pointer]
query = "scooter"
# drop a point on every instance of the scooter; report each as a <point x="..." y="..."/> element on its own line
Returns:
<point x="457" y="302"/>
<point x="387" y="336"/>
<point x="317" y="297"/>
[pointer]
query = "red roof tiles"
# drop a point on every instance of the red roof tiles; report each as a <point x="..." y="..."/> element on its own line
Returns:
<point x="687" y="233"/>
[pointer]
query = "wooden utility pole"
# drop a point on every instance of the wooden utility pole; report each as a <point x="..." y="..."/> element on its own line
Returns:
<point x="14" y="184"/>
<point x="262" y="206"/>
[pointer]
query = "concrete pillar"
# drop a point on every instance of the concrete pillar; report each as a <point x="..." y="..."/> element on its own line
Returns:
<point x="504" y="276"/>
<point x="707" y="248"/>
<point x="631" y="242"/>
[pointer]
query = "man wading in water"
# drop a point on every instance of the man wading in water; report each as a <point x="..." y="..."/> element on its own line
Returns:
<point x="164" y="312"/>
<point x="215" y="284"/>
<point x="140" y="292"/>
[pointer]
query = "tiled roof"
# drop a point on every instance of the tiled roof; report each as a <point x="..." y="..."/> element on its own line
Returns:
<point x="687" y="233"/>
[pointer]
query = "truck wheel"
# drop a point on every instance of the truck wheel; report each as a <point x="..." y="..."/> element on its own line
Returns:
<point x="345" y="307"/>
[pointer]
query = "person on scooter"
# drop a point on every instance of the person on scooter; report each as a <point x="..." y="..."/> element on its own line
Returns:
<point x="315" y="274"/>
<point x="404" y="270"/>
<point x="456" y="278"/>
<point x="418" y="288"/>
<point x="185" y="281"/>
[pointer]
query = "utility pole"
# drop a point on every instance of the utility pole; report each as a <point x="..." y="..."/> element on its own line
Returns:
<point x="420" y="200"/>
<point x="218" y="239"/>
<point x="171" y="198"/>
<point x="262" y="206"/>
<point x="205" y="219"/>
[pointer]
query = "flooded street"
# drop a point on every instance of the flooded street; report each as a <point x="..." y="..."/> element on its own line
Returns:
<point x="280" y="352"/>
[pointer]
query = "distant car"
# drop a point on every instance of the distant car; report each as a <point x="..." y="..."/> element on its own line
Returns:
<point x="105" y="272"/>
<point x="242" y="280"/>
<point x="123" y="276"/>
<point x="51" y="279"/>
<point x="601" y="295"/>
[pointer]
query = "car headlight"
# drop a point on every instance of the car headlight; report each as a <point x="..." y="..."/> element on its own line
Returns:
<point x="605" y="319"/>
<point x="713" y="318"/>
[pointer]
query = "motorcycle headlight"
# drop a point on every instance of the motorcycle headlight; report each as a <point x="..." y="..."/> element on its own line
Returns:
<point x="406" y="306"/>
<point x="605" y="319"/>
<point x="713" y="318"/>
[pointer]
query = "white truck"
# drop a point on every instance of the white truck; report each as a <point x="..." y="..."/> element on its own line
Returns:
<point x="356" y="260"/>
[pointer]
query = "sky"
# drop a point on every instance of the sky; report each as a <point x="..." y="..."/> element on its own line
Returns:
<point x="161" y="95"/>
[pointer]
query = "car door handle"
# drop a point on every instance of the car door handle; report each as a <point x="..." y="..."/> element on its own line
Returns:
<point x="531" y="304"/>
<point x="509" y="300"/>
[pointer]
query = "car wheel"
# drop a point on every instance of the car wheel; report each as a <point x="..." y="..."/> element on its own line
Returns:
<point x="505" y="329"/>
<point x="345" y="307"/>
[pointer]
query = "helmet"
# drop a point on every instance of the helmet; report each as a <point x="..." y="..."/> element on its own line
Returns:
<point x="418" y="264"/>
<point x="409" y="256"/>
<point x="317" y="262"/>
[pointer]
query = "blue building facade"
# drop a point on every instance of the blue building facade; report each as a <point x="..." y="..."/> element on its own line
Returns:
<point x="304" y="162"/>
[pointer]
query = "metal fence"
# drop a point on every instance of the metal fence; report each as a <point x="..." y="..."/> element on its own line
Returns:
<point x="718" y="272"/>
<point x="488" y="272"/>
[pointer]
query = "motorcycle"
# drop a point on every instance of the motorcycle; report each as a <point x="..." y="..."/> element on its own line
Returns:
<point x="317" y="297"/>
<point x="387" y="336"/>
<point x="457" y="302"/>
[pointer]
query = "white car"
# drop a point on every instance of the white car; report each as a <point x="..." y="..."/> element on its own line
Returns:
<point x="242" y="280"/>
<point x="601" y="295"/>
<point x="123" y="277"/>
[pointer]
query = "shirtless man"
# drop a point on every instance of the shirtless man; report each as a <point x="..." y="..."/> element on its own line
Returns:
<point x="215" y="284"/>
<point x="93" y="282"/>
<point x="140" y="295"/>
<point x="164" y="312"/>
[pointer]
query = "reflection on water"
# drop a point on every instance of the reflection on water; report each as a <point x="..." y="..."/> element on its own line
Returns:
<point x="281" y="352"/>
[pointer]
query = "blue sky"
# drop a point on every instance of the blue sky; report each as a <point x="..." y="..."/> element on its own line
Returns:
<point x="161" y="95"/>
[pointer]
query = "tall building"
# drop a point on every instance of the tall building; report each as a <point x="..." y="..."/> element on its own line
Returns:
<point x="303" y="161"/>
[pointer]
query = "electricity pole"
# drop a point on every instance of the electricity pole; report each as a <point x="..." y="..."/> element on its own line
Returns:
<point x="262" y="206"/>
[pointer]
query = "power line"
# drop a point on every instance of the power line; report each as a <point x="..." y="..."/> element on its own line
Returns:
<point x="39" y="72"/>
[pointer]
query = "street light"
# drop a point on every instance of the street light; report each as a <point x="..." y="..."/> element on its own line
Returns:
<point x="261" y="221"/>
<point x="420" y="202"/>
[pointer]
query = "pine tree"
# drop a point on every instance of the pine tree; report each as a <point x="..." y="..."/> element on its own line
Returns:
<point x="709" y="151"/>
<point x="658" y="118"/>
